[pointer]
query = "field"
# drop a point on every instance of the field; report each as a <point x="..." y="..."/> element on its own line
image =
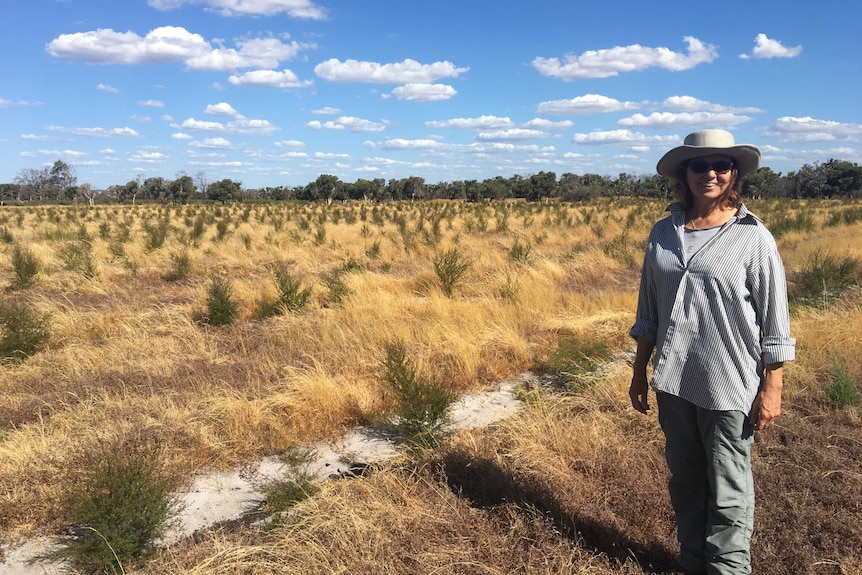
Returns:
<point x="212" y="335"/>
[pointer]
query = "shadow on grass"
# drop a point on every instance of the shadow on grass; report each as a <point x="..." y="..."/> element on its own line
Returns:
<point x="486" y="485"/>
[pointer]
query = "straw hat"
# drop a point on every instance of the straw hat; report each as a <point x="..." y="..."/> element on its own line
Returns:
<point x="746" y="158"/>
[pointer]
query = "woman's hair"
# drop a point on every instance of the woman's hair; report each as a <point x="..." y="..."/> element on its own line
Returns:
<point x="732" y="196"/>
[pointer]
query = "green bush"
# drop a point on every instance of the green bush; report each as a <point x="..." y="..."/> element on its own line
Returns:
<point x="574" y="363"/>
<point x="121" y="506"/>
<point x="450" y="267"/>
<point x="23" y="331"/>
<point x="824" y="278"/>
<point x="422" y="414"/>
<point x="841" y="390"/>
<point x="520" y="252"/>
<point x="182" y="266"/>
<point x="282" y="494"/>
<point x="78" y="257"/>
<point x="221" y="307"/>
<point x="156" y="234"/>
<point x="26" y="267"/>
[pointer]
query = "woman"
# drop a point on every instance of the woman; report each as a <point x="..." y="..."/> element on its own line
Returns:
<point x="713" y="307"/>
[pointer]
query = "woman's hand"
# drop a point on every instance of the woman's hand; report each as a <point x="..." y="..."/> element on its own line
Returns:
<point x="767" y="404"/>
<point x="639" y="388"/>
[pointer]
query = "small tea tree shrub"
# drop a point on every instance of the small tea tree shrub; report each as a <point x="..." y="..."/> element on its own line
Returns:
<point x="26" y="267"/>
<point x="574" y="363"/>
<point x="78" y="257"/>
<point x="296" y="486"/>
<point x="450" y="267"/>
<point x="422" y="414"/>
<point x="841" y="390"/>
<point x="292" y="295"/>
<point x="222" y="309"/>
<point x="181" y="266"/>
<point x="520" y="252"/>
<point x="121" y="507"/>
<point x="23" y="331"/>
<point x="825" y="277"/>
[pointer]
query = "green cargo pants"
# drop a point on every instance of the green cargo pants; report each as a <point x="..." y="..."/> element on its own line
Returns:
<point x="711" y="487"/>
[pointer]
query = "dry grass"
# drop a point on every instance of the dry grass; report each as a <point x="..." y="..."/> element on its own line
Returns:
<point x="574" y="484"/>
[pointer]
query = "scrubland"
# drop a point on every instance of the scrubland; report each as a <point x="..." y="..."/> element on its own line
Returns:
<point x="133" y="360"/>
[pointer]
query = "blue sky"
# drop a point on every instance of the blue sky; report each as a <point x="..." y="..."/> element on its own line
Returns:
<point x="277" y="92"/>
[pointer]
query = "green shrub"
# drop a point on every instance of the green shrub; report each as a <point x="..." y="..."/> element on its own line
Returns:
<point x="298" y="484"/>
<point x="422" y="414"/>
<point x="6" y="236"/>
<point x="23" y="331"/>
<point x="841" y="390"/>
<point x="78" y="257"/>
<point x="292" y="295"/>
<point x="156" y="234"/>
<point x="122" y="505"/>
<point x="181" y="266"/>
<point x="824" y="278"/>
<point x="26" y="266"/>
<point x="221" y="307"/>
<point x="450" y="266"/>
<point x="520" y="252"/>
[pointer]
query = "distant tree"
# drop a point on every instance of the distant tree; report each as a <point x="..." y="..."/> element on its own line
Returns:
<point x="201" y="184"/>
<point x="62" y="178"/>
<point x="763" y="183"/>
<point x="181" y="189"/>
<point x="10" y="192"/>
<point x="224" y="191"/>
<point x="34" y="184"/>
<point x="155" y="188"/>
<point x="542" y="185"/>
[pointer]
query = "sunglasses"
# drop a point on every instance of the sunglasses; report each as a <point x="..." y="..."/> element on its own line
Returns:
<point x="702" y="166"/>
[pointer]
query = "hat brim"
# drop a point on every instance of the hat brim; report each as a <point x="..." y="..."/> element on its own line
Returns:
<point x="746" y="158"/>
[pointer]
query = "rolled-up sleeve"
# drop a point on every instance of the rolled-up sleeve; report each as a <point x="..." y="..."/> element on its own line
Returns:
<point x="646" y="318"/>
<point x="773" y="314"/>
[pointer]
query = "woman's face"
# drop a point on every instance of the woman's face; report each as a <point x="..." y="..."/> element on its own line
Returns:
<point x="709" y="177"/>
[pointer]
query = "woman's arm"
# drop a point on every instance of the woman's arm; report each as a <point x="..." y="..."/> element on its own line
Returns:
<point x="639" y="388"/>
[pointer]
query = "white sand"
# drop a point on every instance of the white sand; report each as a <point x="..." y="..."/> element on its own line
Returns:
<point x="226" y="495"/>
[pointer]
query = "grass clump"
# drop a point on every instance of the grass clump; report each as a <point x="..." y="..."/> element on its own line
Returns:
<point x="23" y="331"/>
<point x="520" y="252"/>
<point x="573" y="365"/>
<point x="120" y="506"/>
<point x="78" y="257"/>
<point x="298" y="485"/>
<point x="422" y="415"/>
<point x="450" y="267"/>
<point x="841" y="390"/>
<point x="26" y="267"/>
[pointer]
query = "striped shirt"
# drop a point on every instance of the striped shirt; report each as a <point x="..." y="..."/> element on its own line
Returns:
<point x="717" y="318"/>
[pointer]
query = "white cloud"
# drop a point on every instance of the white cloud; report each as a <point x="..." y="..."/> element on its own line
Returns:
<point x="106" y="88"/>
<point x="327" y="111"/>
<point x="181" y="136"/>
<point x="240" y="126"/>
<point x="105" y="46"/>
<point x="349" y="123"/>
<point x="808" y="129"/>
<point x="669" y="120"/>
<point x="304" y="9"/>
<point x="692" y="104"/>
<point x="54" y="153"/>
<point x="623" y="137"/>
<point x="765" y="47"/>
<point x="212" y="143"/>
<point x="406" y="72"/>
<point x="261" y="53"/>
<point x="269" y="79"/>
<point x="587" y="104"/>
<point x="147" y="157"/>
<point x="151" y="104"/>
<point x="222" y="109"/>
<point x="290" y="144"/>
<point x="423" y="92"/>
<point x="480" y="123"/>
<point x="94" y="132"/>
<point x="404" y="144"/>
<point x="610" y="62"/>
<point x="511" y="134"/>
<point x="546" y="125"/>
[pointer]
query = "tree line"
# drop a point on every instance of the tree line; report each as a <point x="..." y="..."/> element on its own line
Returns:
<point x="831" y="179"/>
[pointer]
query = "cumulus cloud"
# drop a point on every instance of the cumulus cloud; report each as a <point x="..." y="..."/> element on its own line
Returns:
<point x="808" y="129"/>
<point x="269" y="79"/>
<point x="405" y="144"/>
<point x="587" y="104"/>
<point x="106" y="88"/>
<point x="290" y="144"/>
<point x="240" y="126"/>
<point x="511" y="134"/>
<point x="670" y="120"/>
<point x="406" y="72"/>
<point x="547" y="125"/>
<point x="94" y="132"/>
<point x="222" y="109"/>
<point x="623" y="137"/>
<point x="765" y="47"/>
<point x="54" y="153"/>
<point x="480" y="123"/>
<point x="304" y="9"/>
<point x="151" y="104"/>
<point x="348" y="123"/>
<point x="9" y="103"/>
<point x="327" y="111"/>
<point x="611" y="61"/>
<point x="424" y="92"/>
<point x="692" y="104"/>
<point x="212" y="143"/>
<point x="171" y="44"/>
